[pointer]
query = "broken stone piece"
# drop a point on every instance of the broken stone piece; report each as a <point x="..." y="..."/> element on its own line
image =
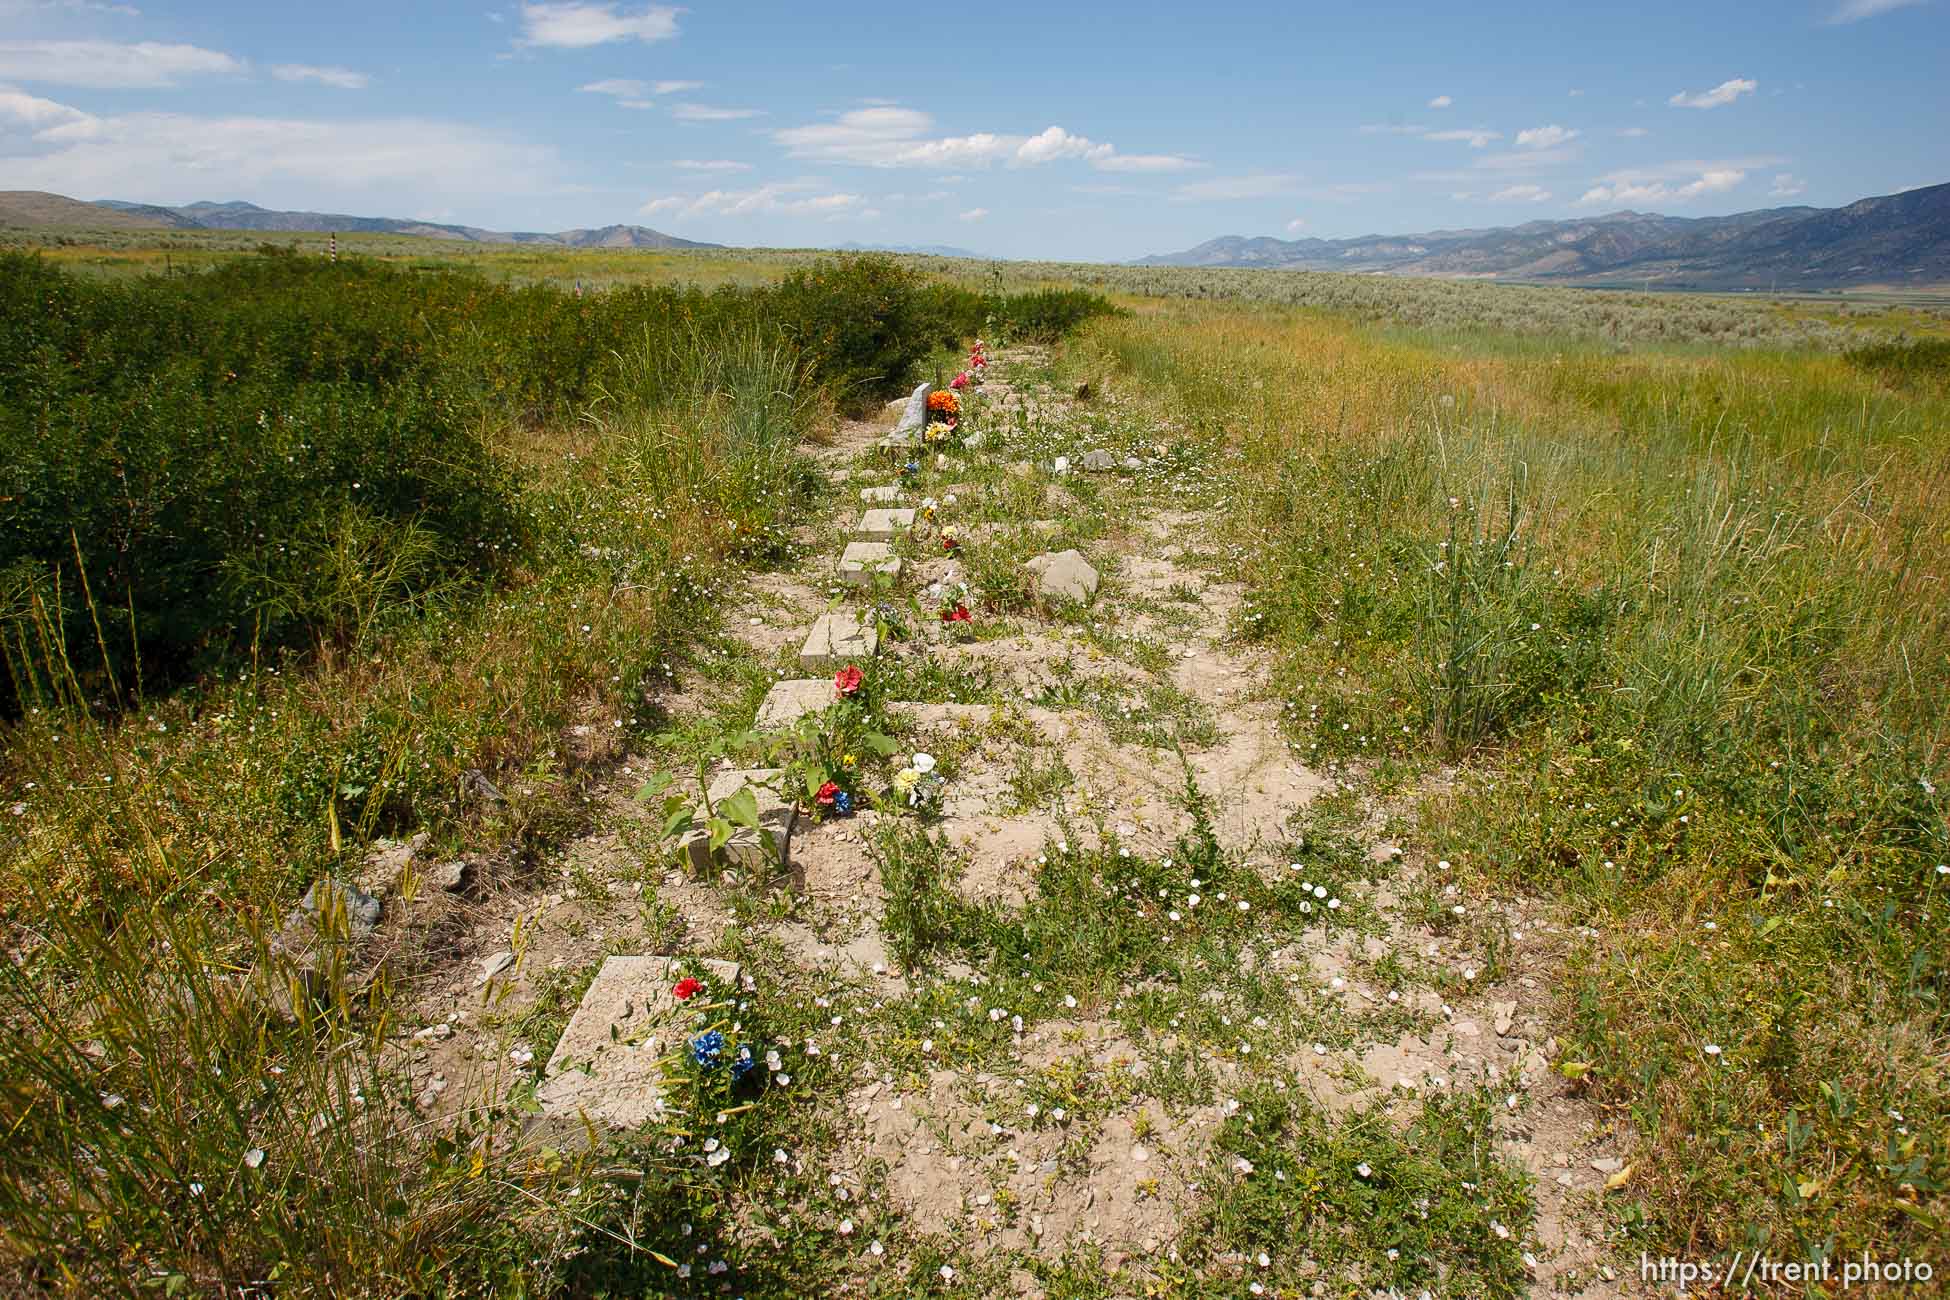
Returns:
<point x="836" y="640"/>
<point x="880" y="496"/>
<point x="1064" y="575"/>
<point x="609" y="1063"/>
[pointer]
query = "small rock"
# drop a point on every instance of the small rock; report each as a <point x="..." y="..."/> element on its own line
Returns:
<point x="1384" y="852"/>
<point x="1608" y="1164"/>
<point x="450" y="876"/>
<point x="495" y="965"/>
<point x="1506" y="1017"/>
<point x="434" y="1033"/>
<point x="1097" y="462"/>
<point x="475" y="785"/>
<point x="1373" y="949"/>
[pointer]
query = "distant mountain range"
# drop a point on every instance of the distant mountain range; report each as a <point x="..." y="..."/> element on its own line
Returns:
<point x="33" y="208"/>
<point x="1900" y="240"/>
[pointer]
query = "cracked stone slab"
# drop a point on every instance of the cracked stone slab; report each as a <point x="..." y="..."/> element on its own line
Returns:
<point x="885" y="525"/>
<point x="609" y="1064"/>
<point x="787" y="702"/>
<point x="837" y="640"/>
<point x="764" y="849"/>
<point x="862" y="561"/>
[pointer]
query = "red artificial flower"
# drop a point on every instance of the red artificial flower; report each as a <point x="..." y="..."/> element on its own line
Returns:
<point x="959" y="614"/>
<point x="827" y="791"/>
<point x="959" y="381"/>
<point x="687" y="988"/>
<point x="847" y="680"/>
<point x="949" y="543"/>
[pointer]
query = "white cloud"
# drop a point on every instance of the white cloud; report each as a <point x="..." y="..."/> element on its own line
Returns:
<point x="158" y="157"/>
<point x="621" y="87"/>
<point x="1441" y="101"/>
<point x="1786" y="186"/>
<point x="973" y="214"/>
<point x="626" y="93"/>
<point x="1724" y="93"/>
<point x="1475" y="139"/>
<point x="1524" y="160"/>
<point x="15" y="8"/>
<point x="888" y="136"/>
<point x="1520" y="194"/>
<point x="578" y="26"/>
<point x="1296" y="225"/>
<point x="109" y="65"/>
<point x="675" y="87"/>
<point x="1650" y="185"/>
<point x="1144" y="162"/>
<point x="785" y="199"/>
<point x="708" y="113"/>
<point x="1259" y="185"/>
<point x="1054" y="142"/>
<point x="1545" y="137"/>
<point x="337" y="78"/>
<point x="1854" y="11"/>
<point x="1633" y="132"/>
<point x="711" y="165"/>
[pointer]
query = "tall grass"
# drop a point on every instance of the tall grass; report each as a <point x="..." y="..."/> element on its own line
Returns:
<point x="149" y="852"/>
<point x="1680" y="617"/>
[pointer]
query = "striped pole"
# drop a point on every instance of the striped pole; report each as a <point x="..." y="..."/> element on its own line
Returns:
<point x="335" y="245"/>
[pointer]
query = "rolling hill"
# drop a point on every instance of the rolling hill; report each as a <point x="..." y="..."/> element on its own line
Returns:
<point x="1897" y="239"/>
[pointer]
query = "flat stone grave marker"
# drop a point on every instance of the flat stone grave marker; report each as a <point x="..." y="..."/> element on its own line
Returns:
<point x="837" y="640"/>
<point x="609" y="1064"/>
<point x="787" y="702"/>
<point x="761" y="850"/>
<point x="880" y="496"/>
<point x="885" y="525"/>
<point x="863" y="560"/>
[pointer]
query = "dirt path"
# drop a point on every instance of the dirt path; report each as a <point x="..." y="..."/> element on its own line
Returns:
<point x="1071" y="739"/>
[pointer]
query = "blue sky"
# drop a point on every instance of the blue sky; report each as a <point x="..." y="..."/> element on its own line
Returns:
<point x="1068" y="130"/>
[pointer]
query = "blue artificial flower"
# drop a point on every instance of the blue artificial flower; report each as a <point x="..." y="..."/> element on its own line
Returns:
<point x="912" y="467"/>
<point x="741" y="1066"/>
<point x="707" y="1049"/>
<point x="843" y="802"/>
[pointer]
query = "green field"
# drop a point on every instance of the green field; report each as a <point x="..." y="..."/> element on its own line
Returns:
<point x="1622" y="616"/>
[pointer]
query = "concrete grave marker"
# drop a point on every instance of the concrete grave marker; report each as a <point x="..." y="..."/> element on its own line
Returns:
<point x="787" y="702"/>
<point x="609" y="1064"/>
<point x="863" y="560"/>
<point x="761" y="850"/>
<point x="837" y="640"/>
<point x="885" y="525"/>
<point x="880" y="496"/>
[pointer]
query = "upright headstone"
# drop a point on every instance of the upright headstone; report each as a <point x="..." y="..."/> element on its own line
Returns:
<point x="907" y="431"/>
